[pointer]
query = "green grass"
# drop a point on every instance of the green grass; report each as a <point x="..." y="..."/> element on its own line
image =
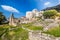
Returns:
<point x="32" y="27"/>
<point x="54" y="31"/>
<point x="36" y="28"/>
<point x="15" y="34"/>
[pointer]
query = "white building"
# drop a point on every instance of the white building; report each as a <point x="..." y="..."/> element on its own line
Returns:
<point x="29" y="15"/>
<point x="41" y="13"/>
<point x="37" y="13"/>
<point x="34" y="10"/>
<point x="33" y="14"/>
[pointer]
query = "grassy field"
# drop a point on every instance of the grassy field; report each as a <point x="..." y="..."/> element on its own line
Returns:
<point x="32" y="27"/>
<point x="13" y="33"/>
<point x="16" y="32"/>
<point x="54" y="31"/>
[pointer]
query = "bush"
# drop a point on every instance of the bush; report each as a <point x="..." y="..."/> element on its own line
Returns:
<point x="2" y="18"/>
<point x="49" y="13"/>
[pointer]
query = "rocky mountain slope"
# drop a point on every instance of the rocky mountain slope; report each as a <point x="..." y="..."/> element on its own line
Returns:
<point x="57" y="7"/>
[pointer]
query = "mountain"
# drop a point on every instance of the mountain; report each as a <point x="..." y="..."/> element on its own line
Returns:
<point x="57" y="7"/>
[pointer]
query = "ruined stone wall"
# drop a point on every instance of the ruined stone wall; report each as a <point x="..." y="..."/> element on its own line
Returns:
<point x="41" y="36"/>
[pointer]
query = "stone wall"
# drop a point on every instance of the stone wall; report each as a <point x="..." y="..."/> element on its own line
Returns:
<point x="37" y="35"/>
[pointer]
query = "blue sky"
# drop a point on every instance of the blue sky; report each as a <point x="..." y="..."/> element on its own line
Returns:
<point x="22" y="6"/>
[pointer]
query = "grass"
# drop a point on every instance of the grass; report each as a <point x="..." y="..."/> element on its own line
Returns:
<point x="32" y="27"/>
<point x="15" y="33"/>
<point x="54" y="31"/>
<point x="36" y="28"/>
<point x="18" y="33"/>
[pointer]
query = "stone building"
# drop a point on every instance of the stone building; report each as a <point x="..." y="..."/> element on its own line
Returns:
<point x="35" y="12"/>
<point x="13" y="21"/>
<point x="24" y="20"/>
<point x="29" y="15"/>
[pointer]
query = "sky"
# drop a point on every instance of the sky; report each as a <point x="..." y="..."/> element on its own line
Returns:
<point x="20" y="7"/>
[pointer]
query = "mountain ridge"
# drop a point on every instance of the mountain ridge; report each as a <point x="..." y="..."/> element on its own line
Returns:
<point x="57" y="7"/>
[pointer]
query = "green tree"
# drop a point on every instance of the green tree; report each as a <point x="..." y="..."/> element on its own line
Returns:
<point x="58" y="14"/>
<point x="2" y="18"/>
<point x="49" y="13"/>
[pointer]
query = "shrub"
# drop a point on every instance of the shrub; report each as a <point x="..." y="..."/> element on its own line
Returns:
<point x="49" y="13"/>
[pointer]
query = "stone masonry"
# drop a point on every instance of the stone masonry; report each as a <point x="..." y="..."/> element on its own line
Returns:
<point x="37" y="35"/>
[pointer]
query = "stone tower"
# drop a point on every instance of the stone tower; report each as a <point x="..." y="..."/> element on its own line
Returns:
<point x="12" y="20"/>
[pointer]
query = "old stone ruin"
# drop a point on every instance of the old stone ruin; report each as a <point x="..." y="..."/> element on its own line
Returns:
<point x="38" y="35"/>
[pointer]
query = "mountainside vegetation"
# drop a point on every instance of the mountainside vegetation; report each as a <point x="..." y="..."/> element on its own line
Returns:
<point x="54" y="7"/>
<point x="50" y="14"/>
<point x="2" y="18"/>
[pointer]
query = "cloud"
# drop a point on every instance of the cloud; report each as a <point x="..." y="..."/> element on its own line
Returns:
<point x="47" y="3"/>
<point x="9" y="8"/>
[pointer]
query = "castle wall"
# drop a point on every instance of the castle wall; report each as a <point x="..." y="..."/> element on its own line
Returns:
<point x="41" y="36"/>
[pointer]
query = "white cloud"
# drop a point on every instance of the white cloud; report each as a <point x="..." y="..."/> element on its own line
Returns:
<point x="47" y="3"/>
<point x="9" y="8"/>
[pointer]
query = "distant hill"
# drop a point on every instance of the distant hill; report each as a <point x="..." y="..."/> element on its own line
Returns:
<point x="57" y="7"/>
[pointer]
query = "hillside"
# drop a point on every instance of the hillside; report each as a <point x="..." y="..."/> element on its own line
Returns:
<point x="57" y="7"/>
